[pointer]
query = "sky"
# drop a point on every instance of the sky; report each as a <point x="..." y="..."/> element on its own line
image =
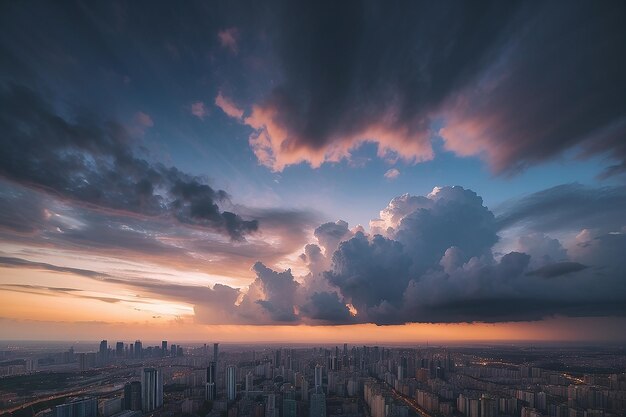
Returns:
<point x="313" y="171"/>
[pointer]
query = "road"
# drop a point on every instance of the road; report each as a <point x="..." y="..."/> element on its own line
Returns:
<point x="104" y="384"/>
<point x="411" y="402"/>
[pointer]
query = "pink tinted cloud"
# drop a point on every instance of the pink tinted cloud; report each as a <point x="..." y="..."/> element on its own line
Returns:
<point x="392" y="174"/>
<point x="199" y="110"/>
<point x="143" y="119"/>
<point x="276" y="146"/>
<point x="228" y="39"/>
<point x="228" y="107"/>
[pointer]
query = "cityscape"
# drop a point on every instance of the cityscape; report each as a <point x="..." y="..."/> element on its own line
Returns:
<point x="312" y="208"/>
<point x="137" y="379"/>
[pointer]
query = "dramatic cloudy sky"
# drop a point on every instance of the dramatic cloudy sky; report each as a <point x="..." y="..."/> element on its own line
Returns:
<point x="322" y="171"/>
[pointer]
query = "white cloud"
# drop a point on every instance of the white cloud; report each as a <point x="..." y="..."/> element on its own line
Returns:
<point x="392" y="174"/>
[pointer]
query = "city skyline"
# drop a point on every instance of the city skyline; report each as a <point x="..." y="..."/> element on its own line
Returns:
<point x="336" y="172"/>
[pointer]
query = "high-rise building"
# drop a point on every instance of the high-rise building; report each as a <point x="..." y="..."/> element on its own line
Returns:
<point x="119" y="349"/>
<point x="164" y="348"/>
<point x="151" y="389"/>
<point x="173" y="350"/>
<point x="84" y="407"/>
<point x="104" y="352"/>
<point x="318" y="404"/>
<point x="138" y="349"/>
<point x="305" y="389"/>
<point x="249" y="381"/>
<point x="215" y="352"/>
<point x="231" y="382"/>
<point x="210" y="392"/>
<point x="132" y="396"/>
<point x="289" y="406"/>
<point x="318" y="376"/>
<point x="270" y="406"/>
<point x="82" y="362"/>
<point x="211" y="381"/>
<point x="277" y="358"/>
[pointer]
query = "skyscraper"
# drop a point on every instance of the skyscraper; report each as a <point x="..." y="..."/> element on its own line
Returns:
<point x="231" y="382"/>
<point x="151" y="389"/>
<point x="289" y="402"/>
<point x="270" y="406"/>
<point x="249" y="382"/>
<point x="103" y="352"/>
<point x="277" y="358"/>
<point x="318" y="404"/>
<point x="132" y="396"/>
<point x="215" y="352"/>
<point x="318" y="376"/>
<point x="211" y="381"/>
<point x="138" y="349"/>
<point x="305" y="389"/>
<point x="164" y="348"/>
<point x="119" y="349"/>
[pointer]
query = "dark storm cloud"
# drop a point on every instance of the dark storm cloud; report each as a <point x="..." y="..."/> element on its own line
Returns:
<point x="327" y="307"/>
<point x="37" y="219"/>
<point x="92" y="163"/>
<point x="368" y="272"/>
<point x="517" y="83"/>
<point x="557" y="83"/>
<point x="368" y="71"/>
<point x="567" y="207"/>
<point x="558" y="269"/>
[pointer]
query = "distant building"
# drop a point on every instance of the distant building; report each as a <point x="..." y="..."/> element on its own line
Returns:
<point x="318" y="376"/>
<point x="231" y="382"/>
<point x="138" y="349"/>
<point x="249" y="382"/>
<point x="151" y="389"/>
<point x="164" y="348"/>
<point x="119" y="349"/>
<point x="289" y="406"/>
<point x="109" y="406"/>
<point x="104" y="352"/>
<point x="84" y="407"/>
<point x="318" y="404"/>
<point x="270" y="406"/>
<point x="211" y="381"/>
<point x="132" y="396"/>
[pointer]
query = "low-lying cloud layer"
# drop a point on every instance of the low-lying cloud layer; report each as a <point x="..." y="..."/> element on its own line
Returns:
<point x="433" y="261"/>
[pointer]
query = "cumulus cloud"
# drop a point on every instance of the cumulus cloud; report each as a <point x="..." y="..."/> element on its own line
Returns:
<point x="330" y="234"/>
<point x="435" y="263"/>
